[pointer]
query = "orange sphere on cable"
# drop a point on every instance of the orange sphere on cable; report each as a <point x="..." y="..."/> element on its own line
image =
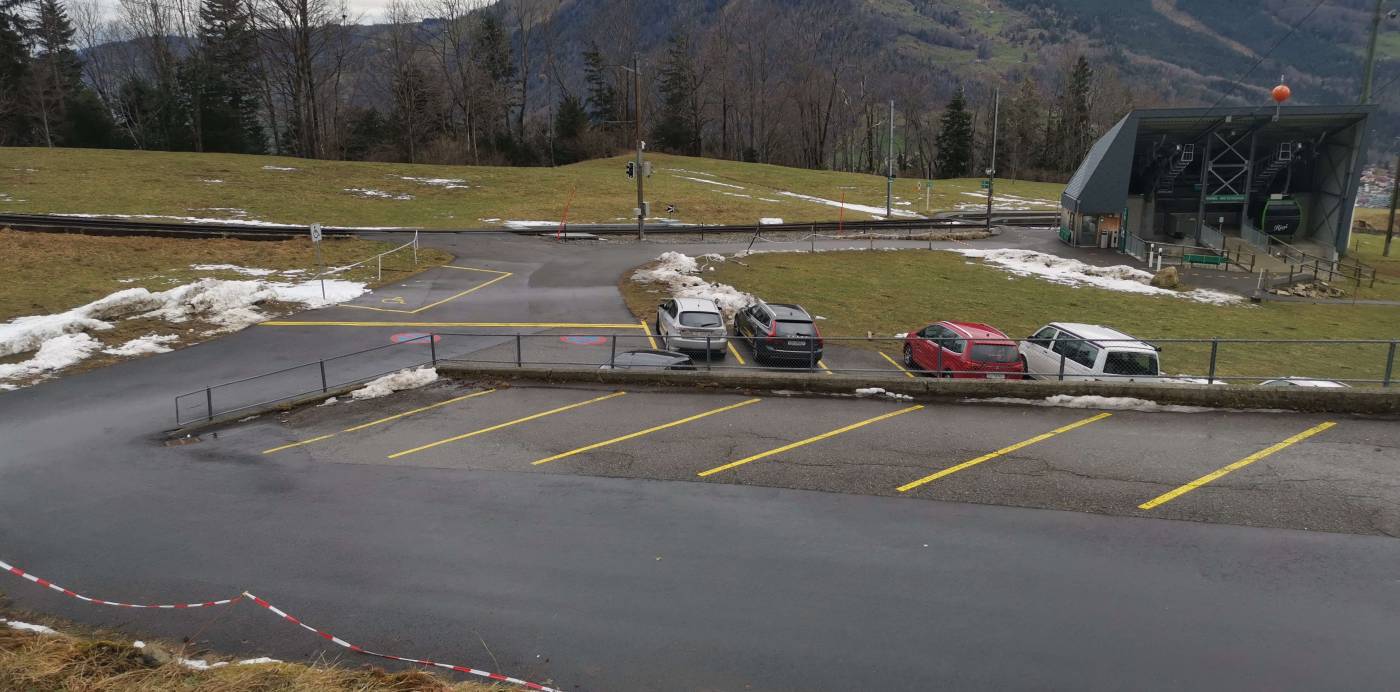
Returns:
<point x="1281" y="93"/>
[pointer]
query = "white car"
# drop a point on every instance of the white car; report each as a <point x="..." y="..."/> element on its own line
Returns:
<point x="691" y="324"/>
<point x="1089" y="352"/>
<point x="1303" y="382"/>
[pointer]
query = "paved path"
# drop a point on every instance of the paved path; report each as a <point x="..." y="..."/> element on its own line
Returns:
<point x="622" y="583"/>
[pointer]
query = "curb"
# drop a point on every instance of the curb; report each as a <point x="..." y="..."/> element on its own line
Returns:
<point x="1368" y="402"/>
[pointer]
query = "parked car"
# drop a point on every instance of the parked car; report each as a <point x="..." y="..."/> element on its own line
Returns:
<point x="1089" y="352"/>
<point x="963" y="349"/>
<point x="1303" y="382"/>
<point x="684" y="323"/>
<point x="650" y="359"/>
<point x="779" y="332"/>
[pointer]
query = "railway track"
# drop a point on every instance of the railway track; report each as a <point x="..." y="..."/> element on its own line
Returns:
<point x="119" y="226"/>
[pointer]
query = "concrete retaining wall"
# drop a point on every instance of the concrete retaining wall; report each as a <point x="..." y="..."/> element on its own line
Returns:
<point x="1313" y="400"/>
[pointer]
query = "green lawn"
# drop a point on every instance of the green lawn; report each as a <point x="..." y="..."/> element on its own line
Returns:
<point x="181" y="184"/>
<point x="892" y="292"/>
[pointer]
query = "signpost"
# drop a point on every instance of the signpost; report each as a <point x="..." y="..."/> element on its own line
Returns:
<point x="928" y="192"/>
<point x="321" y="267"/>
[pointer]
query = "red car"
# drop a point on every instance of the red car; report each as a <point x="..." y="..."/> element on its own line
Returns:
<point x="963" y="349"/>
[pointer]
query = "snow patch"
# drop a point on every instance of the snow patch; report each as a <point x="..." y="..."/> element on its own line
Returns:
<point x="258" y="661"/>
<point x="878" y="212"/>
<point x="329" y="402"/>
<point x="246" y="271"/>
<point x="712" y="182"/>
<point x="395" y="382"/>
<point x="150" y="343"/>
<point x="199" y="664"/>
<point x="278" y="168"/>
<point x="37" y="629"/>
<point x="448" y="183"/>
<point x="185" y="219"/>
<point x="676" y="271"/>
<point x="56" y="354"/>
<point x="1094" y="401"/>
<point x="211" y="180"/>
<point x="880" y="391"/>
<point x="378" y="194"/>
<point x="1072" y="272"/>
<point x="530" y="224"/>
<point x="770" y="221"/>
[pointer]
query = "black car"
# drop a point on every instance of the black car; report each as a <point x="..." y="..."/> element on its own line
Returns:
<point x="779" y="332"/>
<point x="650" y="359"/>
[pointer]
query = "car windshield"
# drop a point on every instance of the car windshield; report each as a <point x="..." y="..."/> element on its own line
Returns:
<point x="994" y="353"/>
<point x="700" y="319"/>
<point x="789" y="328"/>
<point x="1130" y="363"/>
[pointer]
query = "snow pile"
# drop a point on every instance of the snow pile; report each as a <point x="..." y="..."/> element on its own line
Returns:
<point x="1071" y="272"/>
<point x="1094" y="401"/>
<point x="278" y="168"/>
<point x="140" y="346"/>
<point x="880" y="391"/>
<point x="448" y="183"/>
<point x="377" y="194"/>
<point x="676" y="271"/>
<point x="258" y="661"/>
<point x="878" y="211"/>
<point x="38" y="629"/>
<point x="770" y="221"/>
<point x="395" y="382"/>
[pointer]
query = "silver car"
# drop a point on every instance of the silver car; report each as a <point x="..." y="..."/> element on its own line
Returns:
<point x="684" y="323"/>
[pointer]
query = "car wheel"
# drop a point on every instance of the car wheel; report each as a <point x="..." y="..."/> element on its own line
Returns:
<point x="946" y="373"/>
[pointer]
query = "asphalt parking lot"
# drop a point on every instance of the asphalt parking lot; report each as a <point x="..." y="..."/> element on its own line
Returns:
<point x="1297" y="471"/>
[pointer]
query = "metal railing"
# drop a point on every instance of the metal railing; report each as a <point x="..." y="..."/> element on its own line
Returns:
<point x="1195" y="361"/>
<point x="377" y="259"/>
<point x="1163" y="254"/>
<point x="1134" y="246"/>
<point x="1212" y="237"/>
<point x="1302" y="263"/>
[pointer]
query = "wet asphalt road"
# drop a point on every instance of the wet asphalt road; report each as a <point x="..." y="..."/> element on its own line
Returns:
<point x="601" y="571"/>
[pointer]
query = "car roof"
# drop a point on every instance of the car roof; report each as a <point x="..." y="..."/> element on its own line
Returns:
<point x="787" y="311"/>
<point x="976" y="330"/>
<point x="697" y="304"/>
<point x="1108" y="335"/>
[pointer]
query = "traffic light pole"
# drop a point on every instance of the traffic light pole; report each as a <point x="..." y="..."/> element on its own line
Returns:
<point x="641" y="171"/>
<point x="992" y="165"/>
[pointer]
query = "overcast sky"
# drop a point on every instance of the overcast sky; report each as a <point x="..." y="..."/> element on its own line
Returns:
<point x="372" y="11"/>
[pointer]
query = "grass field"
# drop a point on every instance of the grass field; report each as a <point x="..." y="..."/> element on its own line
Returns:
<point x="223" y="185"/>
<point x="893" y="292"/>
<point x="1366" y="248"/>
<point x="78" y="660"/>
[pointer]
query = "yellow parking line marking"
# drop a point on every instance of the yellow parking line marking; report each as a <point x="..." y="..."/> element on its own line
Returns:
<point x="896" y="364"/>
<point x="429" y="407"/>
<point x="734" y="351"/>
<point x="647" y="329"/>
<point x="377" y="422"/>
<point x="475" y="269"/>
<point x="823" y="367"/>
<point x="1214" y="475"/>
<point x="648" y="431"/>
<point x="810" y="440"/>
<point x="298" y="444"/>
<point x="504" y="325"/>
<point x="1001" y="452"/>
<point x="478" y="287"/>
<point x="506" y="424"/>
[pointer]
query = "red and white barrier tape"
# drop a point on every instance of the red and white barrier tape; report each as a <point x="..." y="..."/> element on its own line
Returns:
<point x="5" y="566"/>
<point x="361" y="650"/>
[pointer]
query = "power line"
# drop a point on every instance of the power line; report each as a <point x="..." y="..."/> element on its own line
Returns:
<point x="1270" y="51"/>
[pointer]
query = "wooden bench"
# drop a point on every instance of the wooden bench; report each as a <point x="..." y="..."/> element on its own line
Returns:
<point x="1212" y="260"/>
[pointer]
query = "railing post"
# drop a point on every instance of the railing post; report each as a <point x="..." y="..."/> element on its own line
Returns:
<point x="812" y="243"/>
<point x="324" y="388"/>
<point x="612" y="357"/>
<point x="415" y="249"/>
<point x="1214" y="350"/>
<point x="518" y="361"/>
<point x="812" y="354"/>
<point x="1062" y="368"/>
<point x="379" y="267"/>
<point x="708" y="366"/>
<point x="209" y="400"/>
<point x="1389" y="364"/>
<point x="432" y="347"/>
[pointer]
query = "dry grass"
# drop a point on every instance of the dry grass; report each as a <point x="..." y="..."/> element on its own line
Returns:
<point x="30" y="661"/>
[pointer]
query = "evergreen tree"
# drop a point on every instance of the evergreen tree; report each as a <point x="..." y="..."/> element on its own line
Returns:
<point x="678" y="128"/>
<point x="570" y="125"/>
<point x="492" y="57"/>
<point x="602" y="95"/>
<point x="14" y="75"/>
<point x="64" y="111"/>
<point x="1078" y="130"/>
<point x="221" y="80"/>
<point x="955" y="138"/>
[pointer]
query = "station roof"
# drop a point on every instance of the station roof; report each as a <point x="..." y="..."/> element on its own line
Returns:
<point x="1100" y="184"/>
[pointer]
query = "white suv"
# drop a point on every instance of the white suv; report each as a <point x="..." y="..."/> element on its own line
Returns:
<point x="1089" y="352"/>
<point x="686" y="323"/>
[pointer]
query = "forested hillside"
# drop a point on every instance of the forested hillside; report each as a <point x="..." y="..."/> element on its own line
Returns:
<point x="543" y="82"/>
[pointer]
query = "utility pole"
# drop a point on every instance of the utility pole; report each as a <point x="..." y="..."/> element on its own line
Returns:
<point x="992" y="165"/>
<point x="889" y="170"/>
<point x="1371" y="54"/>
<point x="641" y="170"/>
<point x="1394" y="195"/>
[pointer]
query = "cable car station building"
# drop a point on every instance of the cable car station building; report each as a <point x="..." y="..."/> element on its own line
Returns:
<point x="1214" y="178"/>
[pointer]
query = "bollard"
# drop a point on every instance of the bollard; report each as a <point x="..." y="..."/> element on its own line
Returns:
<point x="209" y="402"/>
<point x="432" y="347"/>
<point x="1214" y="349"/>
<point x="518" y="362"/>
<point x="812" y="241"/>
<point x="324" y="388"/>
<point x="1389" y="364"/>
<point x="612" y="357"/>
